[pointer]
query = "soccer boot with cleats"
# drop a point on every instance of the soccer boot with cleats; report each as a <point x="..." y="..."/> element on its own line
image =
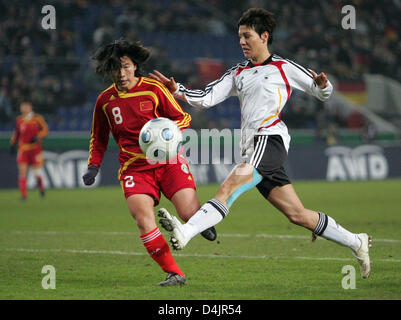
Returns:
<point x="174" y="228"/>
<point x="362" y="254"/>
<point x="173" y="279"/>
<point x="209" y="234"/>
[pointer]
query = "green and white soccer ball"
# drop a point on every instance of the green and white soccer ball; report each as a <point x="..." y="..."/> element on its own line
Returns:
<point x="160" y="139"/>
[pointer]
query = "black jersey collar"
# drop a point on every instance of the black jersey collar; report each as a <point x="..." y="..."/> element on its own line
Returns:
<point x="269" y="59"/>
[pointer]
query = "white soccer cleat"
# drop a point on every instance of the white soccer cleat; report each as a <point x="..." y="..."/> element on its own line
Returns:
<point x="174" y="228"/>
<point x="362" y="254"/>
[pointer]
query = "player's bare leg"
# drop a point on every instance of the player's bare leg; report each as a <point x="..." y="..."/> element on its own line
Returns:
<point x="22" y="176"/>
<point x="285" y="199"/>
<point x="141" y="209"/>
<point x="241" y="175"/>
<point x="241" y="179"/>
<point x="186" y="203"/>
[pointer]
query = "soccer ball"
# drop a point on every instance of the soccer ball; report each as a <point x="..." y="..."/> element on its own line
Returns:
<point x="160" y="139"/>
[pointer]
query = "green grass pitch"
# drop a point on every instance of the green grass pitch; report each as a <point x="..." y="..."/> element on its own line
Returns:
<point x="92" y="242"/>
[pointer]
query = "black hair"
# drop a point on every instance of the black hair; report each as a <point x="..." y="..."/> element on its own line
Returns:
<point x="260" y="20"/>
<point x="108" y="56"/>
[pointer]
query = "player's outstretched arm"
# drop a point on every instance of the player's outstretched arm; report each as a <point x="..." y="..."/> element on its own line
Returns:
<point x="214" y="93"/>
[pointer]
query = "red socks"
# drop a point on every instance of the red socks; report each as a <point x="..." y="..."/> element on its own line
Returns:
<point x="159" y="250"/>
<point x="22" y="186"/>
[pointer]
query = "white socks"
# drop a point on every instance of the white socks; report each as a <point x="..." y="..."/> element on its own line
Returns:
<point x="210" y="214"/>
<point x="329" y="229"/>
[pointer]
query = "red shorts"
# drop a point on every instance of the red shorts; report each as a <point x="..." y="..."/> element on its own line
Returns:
<point x="32" y="157"/>
<point x="167" y="179"/>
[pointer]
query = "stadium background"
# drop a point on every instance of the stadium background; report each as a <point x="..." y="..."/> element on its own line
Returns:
<point x="53" y="69"/>
<point x="89" y="236"/>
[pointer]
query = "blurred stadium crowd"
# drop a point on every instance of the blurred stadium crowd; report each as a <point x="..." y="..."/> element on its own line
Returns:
<point x="53" y="69"/>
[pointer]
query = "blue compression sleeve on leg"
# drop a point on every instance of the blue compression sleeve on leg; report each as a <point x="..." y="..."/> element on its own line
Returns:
<point x="257" y="177"/>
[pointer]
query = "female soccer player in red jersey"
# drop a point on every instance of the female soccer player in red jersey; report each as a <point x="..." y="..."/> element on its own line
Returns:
<point x="30" y="129"/>
<point x="123" y="109"/>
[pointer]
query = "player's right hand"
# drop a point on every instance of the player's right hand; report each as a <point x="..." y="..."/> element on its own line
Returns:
<point x="171" y="85"/>
<point x="34" y="139"/>
<point x="13" y="148"/>
<point x="90" y="174"/>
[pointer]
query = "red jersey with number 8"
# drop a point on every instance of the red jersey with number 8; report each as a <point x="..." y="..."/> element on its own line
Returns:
<point x="124" y="114"/>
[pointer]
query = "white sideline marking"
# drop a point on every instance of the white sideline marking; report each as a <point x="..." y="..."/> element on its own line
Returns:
<point x="178" y="254"/>
<point x="225" y="235"/>
<point x="346" y="259"/>
<point x="287" y="236"/>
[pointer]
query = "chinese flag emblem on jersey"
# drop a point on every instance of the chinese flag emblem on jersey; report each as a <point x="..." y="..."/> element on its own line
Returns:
<point x="146" y="105"/>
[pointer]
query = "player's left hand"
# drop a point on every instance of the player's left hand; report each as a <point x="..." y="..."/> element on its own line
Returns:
<point x="171" y="85"/>
<point x="321" y="80"/>
<point x="13" y="148"/>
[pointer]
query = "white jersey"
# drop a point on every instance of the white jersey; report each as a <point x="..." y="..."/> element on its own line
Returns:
<point x="263" y="91"/>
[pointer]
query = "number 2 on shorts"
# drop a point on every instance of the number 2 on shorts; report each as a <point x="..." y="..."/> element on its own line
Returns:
<point x="129" y="181"/>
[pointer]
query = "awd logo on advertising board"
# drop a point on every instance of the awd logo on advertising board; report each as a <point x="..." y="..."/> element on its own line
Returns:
<point x="63" y="170"/>
<point x="365" y="162"/>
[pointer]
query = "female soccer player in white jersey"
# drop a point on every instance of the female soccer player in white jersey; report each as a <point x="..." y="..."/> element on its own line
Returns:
<point x="263" y="83"/>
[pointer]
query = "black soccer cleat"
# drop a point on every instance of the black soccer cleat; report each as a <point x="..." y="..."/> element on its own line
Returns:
<point x="166" y="225"/>
<point x="209" y="234"/>
<point x="173" y="279"/>
<point x="42" y="193"/>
